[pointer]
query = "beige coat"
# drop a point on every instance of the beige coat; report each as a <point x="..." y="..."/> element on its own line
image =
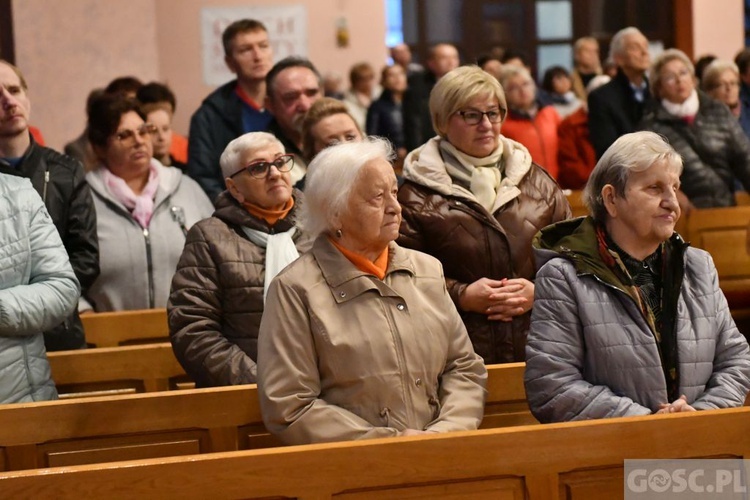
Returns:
<point x="343" y="355"/>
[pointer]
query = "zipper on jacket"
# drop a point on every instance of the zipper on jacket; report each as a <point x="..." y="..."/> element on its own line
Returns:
<point x="150" y="268"/>
<point x="404" y="367"/>
<point x="44" y="188"/>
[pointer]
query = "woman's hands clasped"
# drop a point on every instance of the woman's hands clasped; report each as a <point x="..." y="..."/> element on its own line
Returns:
<point x="500" y="300"/>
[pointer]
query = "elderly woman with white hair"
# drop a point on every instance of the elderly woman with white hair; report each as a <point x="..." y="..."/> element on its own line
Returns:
<point x="474" y="199"/>
<point x="714" y="149"/>
<point x="222" y="279"/>
<point x="628" y="319"/>
<point x="359" y="338"/>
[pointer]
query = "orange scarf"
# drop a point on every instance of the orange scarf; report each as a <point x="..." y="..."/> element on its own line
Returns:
<point x="363" y="263"/>
<point x="270" y="216"/>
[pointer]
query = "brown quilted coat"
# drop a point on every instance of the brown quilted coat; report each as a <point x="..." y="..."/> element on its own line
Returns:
<point x="216" y="301"/>
<point x="445" y="220"/>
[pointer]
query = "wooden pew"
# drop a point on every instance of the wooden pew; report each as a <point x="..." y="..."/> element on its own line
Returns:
<point x="723" y="233"/>
<point x="112" y="329"/>
<point x="116" y="370"/>
<point x="575" y="198"/>
<point x="160" y="424"/>
<point x="577" y="460"/>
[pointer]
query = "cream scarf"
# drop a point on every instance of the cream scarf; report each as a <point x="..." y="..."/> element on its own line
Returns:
<point x="482" y="175"/>
<point x="280" y="252"/>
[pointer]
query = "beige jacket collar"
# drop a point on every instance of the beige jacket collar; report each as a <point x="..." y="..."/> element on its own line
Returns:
<point x="346" y="280"/>
<point x="426" y="166"/>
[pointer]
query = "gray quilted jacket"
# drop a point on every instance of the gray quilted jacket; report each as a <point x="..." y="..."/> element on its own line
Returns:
<point x="591" y="353"/>
<point x="38" y="290"/>
<point x="714" y="149"/>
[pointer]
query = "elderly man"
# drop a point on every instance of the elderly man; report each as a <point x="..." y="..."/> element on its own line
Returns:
<point x="627" y="319"/>
<point x="617" y="107"/>
<point x="60" y="181"/>
<point x="292" y="86"/>
<point x="234" y="108"/>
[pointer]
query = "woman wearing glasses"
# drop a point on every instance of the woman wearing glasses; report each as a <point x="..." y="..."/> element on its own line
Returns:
<point x="474" y="199"/>
<point x="219" y="289"/>
<point x="713" y="147"/>
<point x="143" y="210"/>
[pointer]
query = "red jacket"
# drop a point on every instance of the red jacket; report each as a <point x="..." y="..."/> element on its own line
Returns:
<point x="539" y="135"/>
<point x="576" y="155"/>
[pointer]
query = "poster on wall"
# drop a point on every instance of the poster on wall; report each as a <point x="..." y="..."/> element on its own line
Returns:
<point x="287" y="31"/>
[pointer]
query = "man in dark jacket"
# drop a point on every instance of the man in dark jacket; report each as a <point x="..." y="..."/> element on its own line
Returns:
<point x="60" y="181"/>
<point x="292" y="85"/>
<point x="417" y="121"/>
<point x="233" y="109"/>
<point x="617" y="107"/>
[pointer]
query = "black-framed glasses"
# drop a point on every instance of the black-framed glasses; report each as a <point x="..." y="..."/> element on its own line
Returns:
<point x="127" y="136"/>
<point x="260" y="169"/>
<point x="473" y="117"/>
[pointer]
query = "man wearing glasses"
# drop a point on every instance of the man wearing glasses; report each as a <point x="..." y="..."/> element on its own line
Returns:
<point x="59" y="180"/>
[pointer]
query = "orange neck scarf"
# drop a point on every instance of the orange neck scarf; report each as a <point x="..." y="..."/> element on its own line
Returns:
<point x="270" y="216"/>
<point x="363" y="263"/>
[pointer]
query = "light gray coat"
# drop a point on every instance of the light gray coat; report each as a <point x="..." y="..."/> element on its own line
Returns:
<point x="137" y="264"/>
<point x="591" y="353"/>
<point x="38" y="290"/>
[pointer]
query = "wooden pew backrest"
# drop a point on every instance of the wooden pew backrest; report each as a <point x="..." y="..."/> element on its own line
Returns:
<point x="127" y="369"/>
<point x="577" y="460"/>
<point x="112" y="329"/>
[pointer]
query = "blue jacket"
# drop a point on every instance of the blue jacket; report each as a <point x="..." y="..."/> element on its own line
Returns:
<point x="38" y="290"/>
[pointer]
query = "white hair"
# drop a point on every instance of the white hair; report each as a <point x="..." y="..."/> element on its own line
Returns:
<point x="230" y="158"/>
<point x="617" y="45"/>
<point x="633" y="152"/>
<point x="331" y="176"/>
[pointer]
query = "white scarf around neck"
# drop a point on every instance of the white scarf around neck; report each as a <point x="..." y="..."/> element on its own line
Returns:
<point x="280" y="252"/>
<point x="687" y="108"/>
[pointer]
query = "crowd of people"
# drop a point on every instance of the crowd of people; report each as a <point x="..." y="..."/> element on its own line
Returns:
<point x="362" y="254"/>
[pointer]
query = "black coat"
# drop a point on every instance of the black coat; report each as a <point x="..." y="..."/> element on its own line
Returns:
<point x="417" y="121"/>
<point x="386" y="119"/>
<point x="60" y="181"/>
<point x="614" y="111"/>
<point x="714" y="150"/>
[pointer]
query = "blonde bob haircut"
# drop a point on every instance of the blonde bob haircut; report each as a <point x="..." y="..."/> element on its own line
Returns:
<point x="331" y="178"/>
<point x="669" y="55"/>
<point x="453" y="92"/>
<point x="633" y="152"/>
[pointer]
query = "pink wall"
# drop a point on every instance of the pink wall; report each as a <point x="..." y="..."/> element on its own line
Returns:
<point x="718" y="27"/>
<point x="68" y="47"/>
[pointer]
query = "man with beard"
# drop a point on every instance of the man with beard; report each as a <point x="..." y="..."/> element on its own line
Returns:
<point x="233" y="109"/>
<point x="292" y="86"/>
<point x="59" y="180"/>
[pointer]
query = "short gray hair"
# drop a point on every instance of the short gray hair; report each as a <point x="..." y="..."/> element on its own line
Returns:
<point x="230" y="158"/>
<point x="713" y="72"/>
<point x="331" y="176"/>
<point x="669" y="55"/>
<point x="617" y="45"/>
<point x="634" y="152"/>
<point x="454" y="91"/>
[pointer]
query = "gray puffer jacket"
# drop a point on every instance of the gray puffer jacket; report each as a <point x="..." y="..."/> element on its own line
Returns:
<point x="714" y="151"/>
<point x="591" y="353"/>
<point x="38" y="289"/>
